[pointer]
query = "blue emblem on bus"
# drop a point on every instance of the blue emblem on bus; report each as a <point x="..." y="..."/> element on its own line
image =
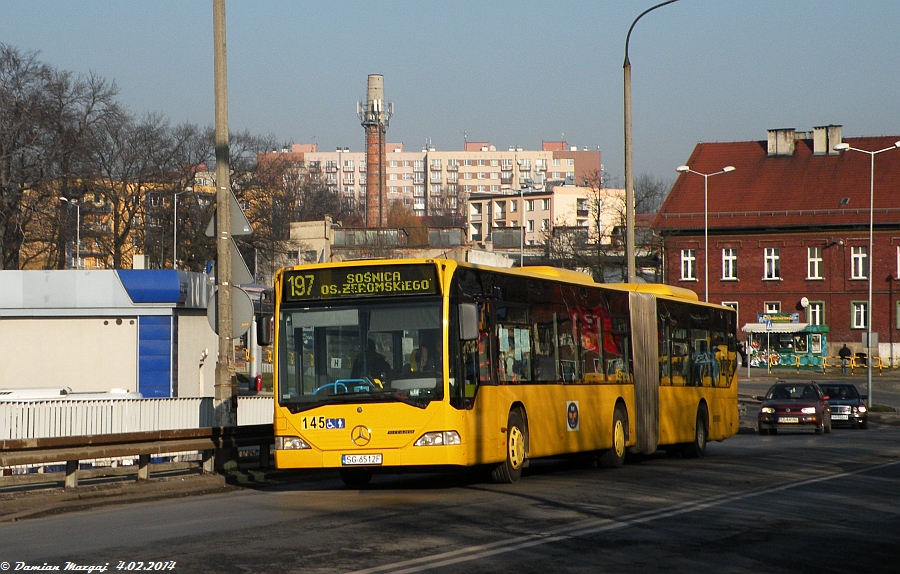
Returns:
<point x="572" y="415"/>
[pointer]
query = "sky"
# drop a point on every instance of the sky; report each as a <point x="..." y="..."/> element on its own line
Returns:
<point x="509" y="72"/>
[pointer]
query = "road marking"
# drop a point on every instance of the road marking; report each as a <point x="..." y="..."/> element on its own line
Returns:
<point x="594" y="526"/>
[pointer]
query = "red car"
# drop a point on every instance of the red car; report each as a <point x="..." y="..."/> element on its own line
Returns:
<point x="794" y="406"/>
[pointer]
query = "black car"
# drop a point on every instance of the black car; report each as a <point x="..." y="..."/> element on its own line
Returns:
<point x="848" y="407"/>
<point x="794" y="406"/>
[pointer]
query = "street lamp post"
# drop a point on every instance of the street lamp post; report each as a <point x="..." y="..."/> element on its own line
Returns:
<point x="175" y="227"/>
<point x="706" y="176"/>
<point x="629" y="176"/>
<point x="77" y="229"/>
<point x="870" y="255"/>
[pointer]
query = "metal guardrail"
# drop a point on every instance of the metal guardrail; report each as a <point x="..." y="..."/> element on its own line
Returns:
<point x="67" y="417"/>
<point x="143" y="445"/>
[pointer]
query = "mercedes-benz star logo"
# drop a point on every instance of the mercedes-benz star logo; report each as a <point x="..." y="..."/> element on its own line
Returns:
<point x="360" y="435"/>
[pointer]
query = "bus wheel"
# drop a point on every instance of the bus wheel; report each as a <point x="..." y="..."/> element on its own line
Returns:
<point x="511" y="469"/>
<point x="615" y="457"/>
<point x="356" y="477"/>
<point x="696" y="448"/>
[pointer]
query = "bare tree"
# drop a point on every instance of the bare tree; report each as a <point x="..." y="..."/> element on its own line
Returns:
<point x="22" y="145"/>
<point x="277" y="194"/>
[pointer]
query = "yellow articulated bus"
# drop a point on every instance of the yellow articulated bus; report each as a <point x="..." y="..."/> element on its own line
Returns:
<point x="434" y="364"/>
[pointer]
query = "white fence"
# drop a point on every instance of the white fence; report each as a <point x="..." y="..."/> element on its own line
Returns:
<point x="68" y="417"/>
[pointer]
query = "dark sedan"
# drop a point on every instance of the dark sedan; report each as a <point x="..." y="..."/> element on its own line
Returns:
<point x="794" y="406"/>
<point x="848" y="407"/>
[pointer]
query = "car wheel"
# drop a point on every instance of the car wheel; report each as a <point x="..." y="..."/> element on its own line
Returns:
<point x="828" y="426"/>
<point x="763" y="431"/>
<point x="696" y="448"/>
<point x="614" y="457"/>
<point x="510" y="470"/>
<point x="820" y="428"/>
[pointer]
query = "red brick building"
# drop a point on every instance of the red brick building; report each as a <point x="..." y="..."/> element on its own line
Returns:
<point x="788" y="233"/>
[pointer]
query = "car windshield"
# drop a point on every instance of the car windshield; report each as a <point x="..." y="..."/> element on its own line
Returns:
<point x="840" y="392"/>
<point x="782" y="392"/>
<point x="359" y="352"/>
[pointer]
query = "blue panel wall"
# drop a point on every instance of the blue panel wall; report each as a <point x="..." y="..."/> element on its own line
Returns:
<point x="155" y="356"/>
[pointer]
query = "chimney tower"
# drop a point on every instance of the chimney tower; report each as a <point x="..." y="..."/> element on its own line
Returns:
<point x="375" y="115"/>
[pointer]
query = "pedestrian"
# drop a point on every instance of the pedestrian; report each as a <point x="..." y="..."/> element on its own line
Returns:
<point x="845" y="355"/>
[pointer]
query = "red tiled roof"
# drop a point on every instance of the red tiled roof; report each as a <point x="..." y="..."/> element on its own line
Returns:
<point x="784" y="191"/>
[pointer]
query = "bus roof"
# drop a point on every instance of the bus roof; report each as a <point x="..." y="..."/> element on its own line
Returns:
<point x="546" y="271"/>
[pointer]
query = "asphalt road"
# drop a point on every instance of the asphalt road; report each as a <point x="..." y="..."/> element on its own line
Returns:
<point x="786" y="503"/>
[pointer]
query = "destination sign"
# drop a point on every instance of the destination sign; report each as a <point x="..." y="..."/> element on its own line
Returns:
<point x="363" y="281"/>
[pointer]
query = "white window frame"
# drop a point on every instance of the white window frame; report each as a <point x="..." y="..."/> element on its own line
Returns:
<point x="859" y="262"/>
<point x="815" y="313"/>
<point x="814" y="263"/>
<point x="772" y="306"/>
<point x="729" y="263"/>
<point x="688" y="264"/>
<point x="772" y="264"/>
<point x="858" y="314"/>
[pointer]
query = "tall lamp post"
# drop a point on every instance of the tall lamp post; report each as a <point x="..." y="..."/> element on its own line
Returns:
<point x="175" y="227"/>
<point x="629" y="176"/>
<point x="871" y="253"/>
<point x="77" y="229"/>
<point x="706" y="176"/>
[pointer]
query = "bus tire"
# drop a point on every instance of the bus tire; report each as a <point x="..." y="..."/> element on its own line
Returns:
<point x="697" y="447"/>
<point x="614" y="457"/>
<point x="356" y="477"/>
<point x="510" y="470"/>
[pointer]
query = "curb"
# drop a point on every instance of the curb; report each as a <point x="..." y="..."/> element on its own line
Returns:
<point x="34" y="503"/>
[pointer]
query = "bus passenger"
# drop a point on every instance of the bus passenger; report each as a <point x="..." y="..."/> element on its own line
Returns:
<point x="421" y="359"/>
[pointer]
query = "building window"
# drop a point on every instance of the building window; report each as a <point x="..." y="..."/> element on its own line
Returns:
<point x="859" y="262"/>
<point x="688" y="264"/>
<point x="772" y="306"/>
<point x="545" y="225"/>
<point x="513" y="206"/>
<point x="729" y="263"/>
<point x="530" y="226"/>
<point x="858" y="314"/>
<point x="814" y="263"/>
<point x="815" y="313"/>
<point x="529" y="205"/>
<point x="733" y="305"/>
<point x="773" y="263"/>
<point x="898" y="263"/>
<point x="545" y="204"/>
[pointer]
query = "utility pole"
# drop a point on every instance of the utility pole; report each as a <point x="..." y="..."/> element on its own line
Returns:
<point x="225" y="399"/>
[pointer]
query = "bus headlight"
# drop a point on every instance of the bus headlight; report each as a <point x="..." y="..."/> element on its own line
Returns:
<point x="290" y="443"/>
<point x="438" y="438"/>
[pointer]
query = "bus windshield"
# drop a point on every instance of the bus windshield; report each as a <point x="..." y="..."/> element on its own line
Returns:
<point x="360" y="352"/>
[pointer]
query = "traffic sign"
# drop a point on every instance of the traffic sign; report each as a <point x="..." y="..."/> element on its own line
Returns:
<point x="241" y="311"/>
<point x="239" y="224"/>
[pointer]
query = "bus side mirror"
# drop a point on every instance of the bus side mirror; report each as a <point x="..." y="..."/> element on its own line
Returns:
<point x="468" y="321"/>
<point x="264" y="331"/>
